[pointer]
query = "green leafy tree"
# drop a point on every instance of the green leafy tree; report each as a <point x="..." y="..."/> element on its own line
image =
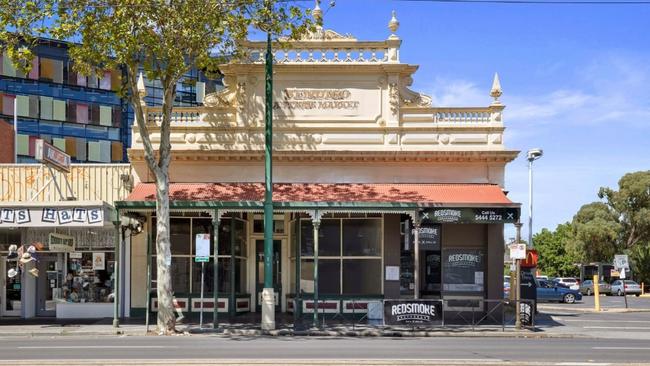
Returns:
<point x="632" y="204"/>
<point x="555" y="256"/>
<point x="640" y="258"/>
<point x="165" y="39"/>
<point x="596" y="232"/>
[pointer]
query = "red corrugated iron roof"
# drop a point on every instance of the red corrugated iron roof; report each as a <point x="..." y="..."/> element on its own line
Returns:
<point x="341" y="192"/>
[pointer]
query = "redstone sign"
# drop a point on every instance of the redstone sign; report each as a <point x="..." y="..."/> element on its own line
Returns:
<point x="52" y="156"/>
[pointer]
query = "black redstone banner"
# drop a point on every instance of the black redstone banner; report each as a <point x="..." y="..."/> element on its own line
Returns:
<point x="412" y="312"/>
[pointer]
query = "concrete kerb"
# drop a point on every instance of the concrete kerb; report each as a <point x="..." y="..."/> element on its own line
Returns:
<point x="140" y="331"/>
<point x="592" y="310"/>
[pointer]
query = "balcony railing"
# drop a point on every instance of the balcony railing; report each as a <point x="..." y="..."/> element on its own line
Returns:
<point x="458" y="115"/>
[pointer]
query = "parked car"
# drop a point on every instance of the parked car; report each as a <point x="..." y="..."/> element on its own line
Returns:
<point x="551" y="291"/>
<point x="587" y="288"/>
<point x="545" y="278"/>
<point x="568" y="282"/>
<point x="631" y="288"/>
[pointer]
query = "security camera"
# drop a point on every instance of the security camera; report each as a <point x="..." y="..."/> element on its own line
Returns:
<point x="534" y="154"/>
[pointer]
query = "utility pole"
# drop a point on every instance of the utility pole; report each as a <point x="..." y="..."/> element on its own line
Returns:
<point x="268" y="293"/>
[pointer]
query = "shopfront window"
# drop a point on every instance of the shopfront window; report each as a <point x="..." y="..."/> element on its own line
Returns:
<point x="186" y="272"/>
<point x="350" y="256"/>
<point x="89" y="277"/>
<point x="463" y="270"/>
<point x="83" y="275"/>
<point x="12" y="285"/>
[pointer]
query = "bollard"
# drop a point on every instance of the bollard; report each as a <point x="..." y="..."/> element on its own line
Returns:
<point x="596" y="293"/>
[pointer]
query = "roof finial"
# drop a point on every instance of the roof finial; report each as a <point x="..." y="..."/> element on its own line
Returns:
<point x="496" y="91"/>
<point x="140" y="85"/>
<point x="317" y="13"/>
<point x="393" y="25"/>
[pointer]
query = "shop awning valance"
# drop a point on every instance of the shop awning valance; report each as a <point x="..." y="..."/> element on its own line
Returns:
<point x="341" y="194"/>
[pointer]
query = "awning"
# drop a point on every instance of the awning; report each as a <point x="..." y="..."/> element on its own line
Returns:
<point x="415" y="195"/>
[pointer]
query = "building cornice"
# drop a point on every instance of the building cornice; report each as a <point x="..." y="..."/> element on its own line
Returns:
<point x="504" y="156"/>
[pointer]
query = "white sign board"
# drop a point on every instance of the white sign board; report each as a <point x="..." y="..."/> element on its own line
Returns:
<point x="51" y="216"/>
<point x="99" y="262"/>
<point x="621" y="261"/>
<point x="517" y="251"/>
<point x="622" y="274"/>
<point x="202" y="250"/>
<point x="392" y="273"/>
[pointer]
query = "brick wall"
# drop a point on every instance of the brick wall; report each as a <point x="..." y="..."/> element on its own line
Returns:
<point x="6" y="142"/>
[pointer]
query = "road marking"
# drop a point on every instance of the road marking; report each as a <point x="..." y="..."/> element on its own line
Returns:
<point x="621" y="328"/>
<point x="90" y="347"/>
<point x="623" y="348"/>
<point x="603" y="321"/>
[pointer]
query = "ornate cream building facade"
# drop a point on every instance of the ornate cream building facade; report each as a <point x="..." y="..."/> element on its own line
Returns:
<point x="396" y="189"/>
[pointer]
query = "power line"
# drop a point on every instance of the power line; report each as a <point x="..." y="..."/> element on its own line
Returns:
<point x="540" y="2"/>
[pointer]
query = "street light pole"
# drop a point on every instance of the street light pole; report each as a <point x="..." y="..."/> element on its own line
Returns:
<point x="268" y="293"/>
<point x="533" y="154"/>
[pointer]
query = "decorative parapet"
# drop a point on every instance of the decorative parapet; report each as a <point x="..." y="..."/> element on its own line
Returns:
<point x="325" y="47"/>
<point x="463" y="116"/>
<point x="89" y="182"/>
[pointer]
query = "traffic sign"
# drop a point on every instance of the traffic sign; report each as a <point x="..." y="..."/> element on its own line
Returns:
<point x="621" y="262"/>
<point x="517" y="251"/>
<point x="202" y="248"/>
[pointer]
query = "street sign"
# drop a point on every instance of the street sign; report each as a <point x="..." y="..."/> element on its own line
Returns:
<point x="622" y="275"/>
<point x="517" y="251"/>
<point x="202" y="248"/>
<point x="51" y="156"/>
<point x="621" y="262"/>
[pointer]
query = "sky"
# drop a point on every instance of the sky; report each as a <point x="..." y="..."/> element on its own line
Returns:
<point x="575" y="79"/>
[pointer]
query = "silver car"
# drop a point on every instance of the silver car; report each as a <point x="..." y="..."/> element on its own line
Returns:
<point x="587" y="288"/>
<point x="631" y="288"/>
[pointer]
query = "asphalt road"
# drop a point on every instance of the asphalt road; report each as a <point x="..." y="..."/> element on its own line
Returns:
<point x="452" y="349"/>
<point x="616" y="302"/>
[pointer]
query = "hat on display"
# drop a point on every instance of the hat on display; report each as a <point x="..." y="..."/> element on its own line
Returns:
<point x="39" y="246"/>
<point x="12" y="255"/>
<point x="34" y="272"/>
<point x="11" y="273"/>
<point x="31" y="249"/>
<point x="13" y="248"/>
<point x="26" y="258"/>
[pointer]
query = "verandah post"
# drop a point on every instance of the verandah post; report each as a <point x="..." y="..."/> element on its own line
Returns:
<point x="268" y="293"/>
<point x="116" y="271"/>
<point x="316" y="224"/>
<point x="215" y="269"/>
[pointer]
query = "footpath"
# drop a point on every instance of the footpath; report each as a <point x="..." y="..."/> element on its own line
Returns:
<point x="553" y="321"/>
<point x="104" y="327"/>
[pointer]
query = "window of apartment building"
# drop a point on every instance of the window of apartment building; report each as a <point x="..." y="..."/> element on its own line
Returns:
<point x="47" y="104"/>
<point x="51" y="70"/>
<point x="81" y="113"/>
<point x="8" y="104"/>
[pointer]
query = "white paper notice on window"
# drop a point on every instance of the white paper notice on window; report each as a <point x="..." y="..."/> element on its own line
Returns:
<point x="392" y="273"/>
<point x="478" y="278"/>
